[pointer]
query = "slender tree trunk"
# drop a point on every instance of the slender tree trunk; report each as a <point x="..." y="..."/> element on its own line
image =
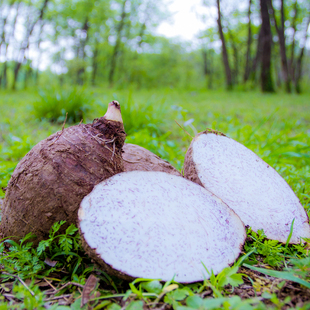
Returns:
<point x="25" y="44"/>
<point x="280" y="31"/>
<point x="210" y="70"/>
<point x="266" y="76"/>
<point x="207" y="70"/>
<point x="28" y="73"/>
<point x="235" y="77"/>
<point x="205" y="62"/>
<point x="81" y="71"/>
<point x="278" y="74"/>
<point x="4" y="44"/>
<point x="4" y="20"/>
<point x="117" y="43"/>
<point x="258" y="56"/>
<point x="36" y="74"/>
<point x="299" y="61"/>
<point x="95" y="64"/>
<point x="249" y="42"/>
<point x="291" y="61"/>
<point x="141" y="34"/>
<point x="224" y="50"/>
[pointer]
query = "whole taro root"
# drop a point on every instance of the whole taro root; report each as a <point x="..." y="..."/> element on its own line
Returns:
<point x="51" y="180"/>
<point x="138" y="158"/>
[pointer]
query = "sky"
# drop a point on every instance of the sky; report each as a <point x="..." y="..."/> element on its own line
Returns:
<point x="185" y="21"/>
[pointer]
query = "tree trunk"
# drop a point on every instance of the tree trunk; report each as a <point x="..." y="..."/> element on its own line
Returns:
<point x="291" y="61"/>
<point x="258" y="56"/>
<point x="25" y="44"/>
<point x="117" y="44"/>
<point x="205" y="62"/>
<point x="278" y="74"/>
<point x="36" y="74"/>
<point x="299" y="61"/>
<point x="224" y="50"/>
<point x="141" y="34"/>
<point x="81" y="53"/>
<point x="4" y="43"/>
<point x="266" y="76"/>
<point x="207" y="70"/>
<point x="280" y="31"/>
<point x="95" y="64"/>
<point x="235" y="75"/>
<point x="249" y="42"/>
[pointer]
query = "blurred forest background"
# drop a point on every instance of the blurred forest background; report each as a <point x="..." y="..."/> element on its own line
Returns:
<point x="246" y="45"/>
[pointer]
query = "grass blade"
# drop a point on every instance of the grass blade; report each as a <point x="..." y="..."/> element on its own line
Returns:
<point x="279" y="274"/>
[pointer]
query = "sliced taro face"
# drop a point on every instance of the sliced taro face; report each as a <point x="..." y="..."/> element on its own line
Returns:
<point x="157" y="225"/>
<point x="247" y="184"/>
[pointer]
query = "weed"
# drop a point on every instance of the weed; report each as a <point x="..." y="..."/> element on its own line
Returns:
<point x="24" y="261"/>
<point x="55" y="103"/>
<point x="274" y="127"/>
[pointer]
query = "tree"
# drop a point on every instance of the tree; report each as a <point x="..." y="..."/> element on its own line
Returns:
<point x="300" y="58"/>
<point x="248" y="51"/>
<point x="266" y="40"/>
<point x="280" y="31"/>
<point x="229" y="83"/>
<point x="25" y="43"/>
<point x="118" y="42"/>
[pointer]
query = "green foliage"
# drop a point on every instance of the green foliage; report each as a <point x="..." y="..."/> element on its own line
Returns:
<point x="31" y="297"/>
<point x="273" y="252"/>
<point x="149" y="114"/>
<point x="55" y="102"/>
<point x="11" y="152"/>
<point x="235" y="302"/>
<point x="275" y="127"/>
<point x="301" y="267"/>
<point x="280" y="274"/>
<point x="24" y="261"/>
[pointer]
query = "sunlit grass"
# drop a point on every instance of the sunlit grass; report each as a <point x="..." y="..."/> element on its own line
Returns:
<point x="276" y="127"/>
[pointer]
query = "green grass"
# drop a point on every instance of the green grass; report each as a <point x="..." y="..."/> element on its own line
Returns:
<point x="59" y="104"/>
<point x="276" y="127"/>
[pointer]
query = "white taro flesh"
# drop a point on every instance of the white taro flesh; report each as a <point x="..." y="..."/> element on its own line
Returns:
<point x="157" y="225"/>
<point x="247" y="184"/>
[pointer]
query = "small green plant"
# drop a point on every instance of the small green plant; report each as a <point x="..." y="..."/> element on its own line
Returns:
<point x="300" y="267"/>
<point x="54" y="103"/>
<point x="11" y="152"/>
<point x="59" y="251"/>
<point x="273" y="252"/>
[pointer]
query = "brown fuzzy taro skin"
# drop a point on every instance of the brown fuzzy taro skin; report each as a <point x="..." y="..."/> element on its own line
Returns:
<point x="247" y="184"/>
<point x="138" y="158"/>
<point x="51" y="180"/>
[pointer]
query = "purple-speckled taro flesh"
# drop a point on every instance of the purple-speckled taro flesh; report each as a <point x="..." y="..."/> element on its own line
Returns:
<point x="157" y="225"/>
<point x="253" y="189"/>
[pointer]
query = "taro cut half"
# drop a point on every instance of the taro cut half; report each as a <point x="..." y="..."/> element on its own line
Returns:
<point x="157" y="225"/>
<point x="247" y="184"/>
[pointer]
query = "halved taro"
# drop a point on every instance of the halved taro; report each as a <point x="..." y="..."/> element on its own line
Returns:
<point x="158" y="225"/>
<point x="247" y="184"/>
